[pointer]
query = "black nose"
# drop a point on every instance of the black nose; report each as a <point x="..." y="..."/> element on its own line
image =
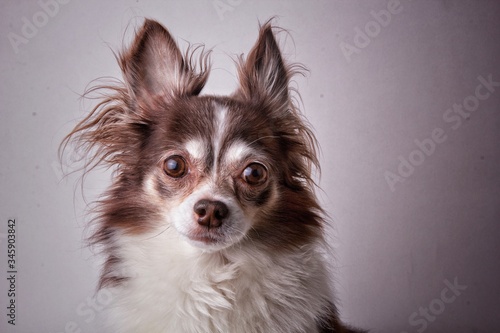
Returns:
<point x="210" y="213"/>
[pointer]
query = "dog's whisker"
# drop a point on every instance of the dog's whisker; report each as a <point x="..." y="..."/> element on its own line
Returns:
<point x="158" y="234"/>
<point x="264" y="137"/>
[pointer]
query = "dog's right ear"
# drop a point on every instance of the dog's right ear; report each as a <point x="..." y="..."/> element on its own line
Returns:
<point x="154" y="66"/>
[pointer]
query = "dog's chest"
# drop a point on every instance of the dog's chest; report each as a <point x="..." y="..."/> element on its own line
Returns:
<point x="182" y="294"/>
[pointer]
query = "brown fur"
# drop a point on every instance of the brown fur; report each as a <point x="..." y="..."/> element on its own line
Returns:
<point x="157" y="107"/>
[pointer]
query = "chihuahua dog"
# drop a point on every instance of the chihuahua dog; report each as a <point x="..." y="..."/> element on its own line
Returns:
<point x="211" y="223"/>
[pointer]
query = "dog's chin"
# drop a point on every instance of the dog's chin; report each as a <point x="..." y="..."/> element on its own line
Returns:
<point x="208" y="240"/>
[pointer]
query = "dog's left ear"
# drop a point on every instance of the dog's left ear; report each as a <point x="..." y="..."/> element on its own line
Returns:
<point x="263" y="75"/>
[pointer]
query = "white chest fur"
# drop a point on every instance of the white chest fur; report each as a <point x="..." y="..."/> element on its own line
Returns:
<point x="175" y="288"/>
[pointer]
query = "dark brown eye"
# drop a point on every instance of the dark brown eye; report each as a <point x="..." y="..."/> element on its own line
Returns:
<point x="255" y="174"/>
<point x="175" y="166"/>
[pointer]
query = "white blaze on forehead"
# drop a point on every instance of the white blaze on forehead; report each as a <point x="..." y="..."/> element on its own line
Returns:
<point x="220" y="126"/>
<point x="196" y="148"/>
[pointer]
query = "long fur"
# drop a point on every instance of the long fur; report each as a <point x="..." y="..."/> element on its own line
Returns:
<point x="270" y="273"/>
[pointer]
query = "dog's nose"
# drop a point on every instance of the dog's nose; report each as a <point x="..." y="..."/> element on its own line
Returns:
<point x="210" y="213"/>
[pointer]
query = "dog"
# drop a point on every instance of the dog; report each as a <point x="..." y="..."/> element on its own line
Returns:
<point x="211" y="223"/>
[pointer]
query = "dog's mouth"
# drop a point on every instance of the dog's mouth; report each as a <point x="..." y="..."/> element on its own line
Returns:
<point x="207" y="238"/>
<point x="203" y="238"/>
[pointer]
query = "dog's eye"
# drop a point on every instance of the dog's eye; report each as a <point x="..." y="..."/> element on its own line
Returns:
<point x="255" y="174"/>
<point x="175" y="166"/>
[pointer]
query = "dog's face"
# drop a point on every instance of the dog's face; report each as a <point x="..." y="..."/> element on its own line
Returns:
<point x="219" y="170"/>
<point x="213" y="171"/>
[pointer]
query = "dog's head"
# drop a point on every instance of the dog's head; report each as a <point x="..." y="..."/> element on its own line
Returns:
<point x="219" y="170"/>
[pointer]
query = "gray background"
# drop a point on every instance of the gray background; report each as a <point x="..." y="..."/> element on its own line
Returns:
<point x="395" y="248"/>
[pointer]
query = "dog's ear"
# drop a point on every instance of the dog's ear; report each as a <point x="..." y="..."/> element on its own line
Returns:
<point x="263" y="74"/>
<point x="154" y="65"/>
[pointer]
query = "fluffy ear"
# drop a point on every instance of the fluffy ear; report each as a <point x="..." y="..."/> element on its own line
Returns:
<point x="154" y="69"/>
<point x="263" y="74"/>
<point x="154" y="65"/>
